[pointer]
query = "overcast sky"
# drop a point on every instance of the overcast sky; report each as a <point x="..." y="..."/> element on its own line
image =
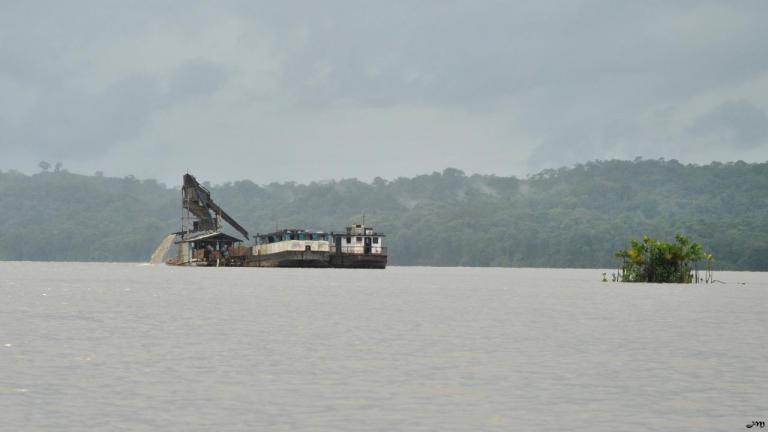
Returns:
<point x="314" y="90"/>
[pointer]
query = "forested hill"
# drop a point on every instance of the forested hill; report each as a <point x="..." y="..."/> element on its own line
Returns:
<point x="569" y="217"/>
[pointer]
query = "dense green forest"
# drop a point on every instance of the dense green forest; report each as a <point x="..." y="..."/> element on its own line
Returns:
<point x="568" y="217"/>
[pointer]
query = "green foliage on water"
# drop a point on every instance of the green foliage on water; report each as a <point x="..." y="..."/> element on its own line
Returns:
<point x="657" y="261"/>
<point x="568" y="217"/>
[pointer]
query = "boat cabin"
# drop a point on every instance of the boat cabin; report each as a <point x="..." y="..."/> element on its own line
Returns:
<point x="359" y="239"/>
<point x="291" y="240"/>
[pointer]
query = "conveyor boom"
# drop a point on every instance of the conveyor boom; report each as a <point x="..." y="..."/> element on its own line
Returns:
<point x="197" y="200"/>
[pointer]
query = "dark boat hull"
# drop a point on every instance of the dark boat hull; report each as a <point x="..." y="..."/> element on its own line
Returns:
<point x="361" y="261"/>
<point x="312" y="259"/>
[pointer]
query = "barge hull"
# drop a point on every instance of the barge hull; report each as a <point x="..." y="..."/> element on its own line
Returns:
<point x="360" y="261"/>
<point x="303" y="259"/>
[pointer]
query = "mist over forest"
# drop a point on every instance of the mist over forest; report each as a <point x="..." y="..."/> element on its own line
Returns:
<point x="574" y="217"/>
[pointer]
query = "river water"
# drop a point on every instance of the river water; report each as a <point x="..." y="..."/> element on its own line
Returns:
<point x="130" y="347"/>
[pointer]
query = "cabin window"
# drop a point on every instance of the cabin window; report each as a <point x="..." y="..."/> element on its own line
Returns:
<point x="359" y="239"/>
<point x="301" y="236"/>
<point x="375" y="240"/>
<point x="349" y="240"/>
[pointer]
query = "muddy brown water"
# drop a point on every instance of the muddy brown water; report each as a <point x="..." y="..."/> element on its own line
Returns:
<point x="129" y="347"/>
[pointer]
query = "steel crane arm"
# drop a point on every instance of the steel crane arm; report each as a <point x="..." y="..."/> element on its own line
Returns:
<point x="219" y="211"/>
<point x="197" y="200"/>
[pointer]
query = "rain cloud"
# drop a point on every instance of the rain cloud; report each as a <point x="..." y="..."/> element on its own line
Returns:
<point x="307" y="91"/>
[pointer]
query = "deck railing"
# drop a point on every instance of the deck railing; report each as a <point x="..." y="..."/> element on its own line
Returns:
<point x="374" y="250"/>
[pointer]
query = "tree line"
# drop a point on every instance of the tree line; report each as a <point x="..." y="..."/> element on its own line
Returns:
<point x="568" y="217"/>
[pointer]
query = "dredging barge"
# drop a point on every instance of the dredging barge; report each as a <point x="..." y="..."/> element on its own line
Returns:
<point x="290" y="248"/>
<point x="201" y="241"/>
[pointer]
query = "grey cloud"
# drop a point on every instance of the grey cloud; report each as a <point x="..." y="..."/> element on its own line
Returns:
<point x="736" y="123"/>
<point x="195" y="78"/>
<point x="74" y="122"/>
<point x="478" y="52"/>
<point x="490" y="86"/>
<point x="564" y="149"/>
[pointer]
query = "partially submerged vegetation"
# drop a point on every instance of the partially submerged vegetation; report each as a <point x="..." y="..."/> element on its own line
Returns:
<point x="651" y="260"/>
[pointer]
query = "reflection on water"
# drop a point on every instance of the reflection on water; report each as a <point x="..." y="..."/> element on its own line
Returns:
<point x="147" y="348"/>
